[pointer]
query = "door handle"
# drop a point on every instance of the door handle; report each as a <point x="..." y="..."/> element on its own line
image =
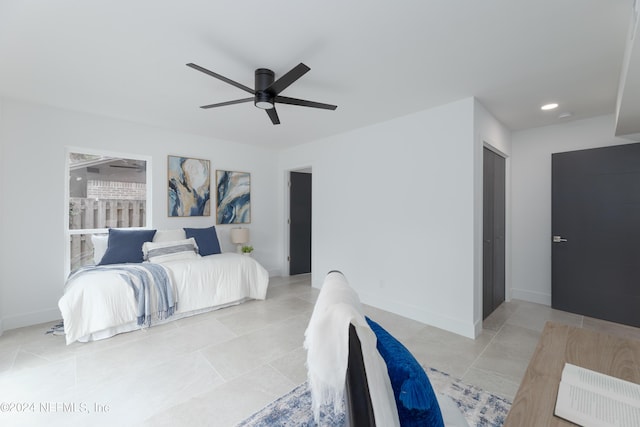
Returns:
<point x="558" y="239"/>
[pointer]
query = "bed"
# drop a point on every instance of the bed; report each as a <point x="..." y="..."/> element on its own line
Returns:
<point x="149" y="278"/>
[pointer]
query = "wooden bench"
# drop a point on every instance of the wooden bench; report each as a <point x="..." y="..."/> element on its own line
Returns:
<point x="535" y="400"/>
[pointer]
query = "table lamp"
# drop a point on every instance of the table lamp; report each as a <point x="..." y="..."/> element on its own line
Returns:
<point x="240" y="236"/>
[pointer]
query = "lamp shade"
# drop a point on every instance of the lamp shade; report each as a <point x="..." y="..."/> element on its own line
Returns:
<point x="239" y="235"/>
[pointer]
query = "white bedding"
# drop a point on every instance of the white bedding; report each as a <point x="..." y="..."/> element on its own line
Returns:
<point x="101" y="304"/>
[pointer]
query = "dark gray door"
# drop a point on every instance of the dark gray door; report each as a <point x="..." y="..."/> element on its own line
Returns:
<point x="493" y="254"/>
<point x="300" y="223"/>
<point x="596" y="233"/>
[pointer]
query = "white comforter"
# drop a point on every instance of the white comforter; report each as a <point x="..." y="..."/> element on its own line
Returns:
<point x="101" y="304"/>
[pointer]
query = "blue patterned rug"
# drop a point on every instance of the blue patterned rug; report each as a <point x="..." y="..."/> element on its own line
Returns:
<point x="480" y="408"/>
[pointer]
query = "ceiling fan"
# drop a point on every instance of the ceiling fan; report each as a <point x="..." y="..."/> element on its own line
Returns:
<point x="267" y="91"/>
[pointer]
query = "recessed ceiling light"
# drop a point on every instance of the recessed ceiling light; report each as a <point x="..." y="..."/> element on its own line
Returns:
<point x="565" y="115"/>
<point x="549" y="106"/>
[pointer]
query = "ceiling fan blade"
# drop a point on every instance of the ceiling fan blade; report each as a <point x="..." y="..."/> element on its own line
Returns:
<point x="304" y="103"/>
<point x="223" y="78"/>
<point x="222" y="104"/>
<point x="283" y="82"/>
<point x="273" y="115"/>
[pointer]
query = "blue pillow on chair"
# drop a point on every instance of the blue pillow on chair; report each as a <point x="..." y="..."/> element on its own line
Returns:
<point x="415" y="399"/>
<point x="206" y="239"/>
<point x="125" y="246"/>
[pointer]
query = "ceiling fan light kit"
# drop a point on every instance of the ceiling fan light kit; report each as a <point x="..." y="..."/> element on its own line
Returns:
<point x="264" y="79"/>
<point x="267" y="90"/>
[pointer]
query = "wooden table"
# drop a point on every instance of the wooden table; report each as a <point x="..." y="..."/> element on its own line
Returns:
<point x="535" y="401"/>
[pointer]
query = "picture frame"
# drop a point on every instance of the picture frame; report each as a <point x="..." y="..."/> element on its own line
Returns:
<point x="233" y="197"/>
<point x="189" y="186"/>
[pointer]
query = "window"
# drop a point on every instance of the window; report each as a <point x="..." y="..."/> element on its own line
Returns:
<point x="104" y="191"/>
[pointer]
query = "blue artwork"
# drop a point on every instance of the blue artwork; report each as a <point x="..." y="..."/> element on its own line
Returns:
<point x="234" y="197"/>
<point x="189" y="187"/>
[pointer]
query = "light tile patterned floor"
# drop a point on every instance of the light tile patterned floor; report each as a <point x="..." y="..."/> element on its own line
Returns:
<point x="218" y="368"/>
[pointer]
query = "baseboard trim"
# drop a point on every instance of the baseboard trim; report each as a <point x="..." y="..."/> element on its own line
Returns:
<point x="29" y="319"/>
<point x="468" y="330"/>
<point x="531" y="296"/>
<point x="478" y="328"/>
<point x="276" y="272"/>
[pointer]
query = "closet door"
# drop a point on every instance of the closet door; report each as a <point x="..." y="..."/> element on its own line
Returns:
<point x="493" y="231"/>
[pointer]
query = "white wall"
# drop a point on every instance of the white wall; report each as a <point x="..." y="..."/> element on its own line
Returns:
<point x="32" y="182"/>
<point x="531" y="197"/>
<point x="393" y="209"/>
<point x="3" y="206"/>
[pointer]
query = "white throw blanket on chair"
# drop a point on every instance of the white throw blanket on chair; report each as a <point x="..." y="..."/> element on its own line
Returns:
<point x="327" y="344"/>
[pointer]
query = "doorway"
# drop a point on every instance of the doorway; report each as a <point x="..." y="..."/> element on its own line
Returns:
<point x="493" y="234"/>
<point x="300" y="222"/>
<point x="595" y="224"/>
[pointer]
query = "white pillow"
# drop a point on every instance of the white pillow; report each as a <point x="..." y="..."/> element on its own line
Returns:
<point x="100" y="243"/>
<point x="169" y="235"/>
<point x="170" y="251"/>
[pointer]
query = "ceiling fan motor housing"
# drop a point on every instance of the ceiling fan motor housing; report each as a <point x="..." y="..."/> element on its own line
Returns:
<point x="264" y="79"/>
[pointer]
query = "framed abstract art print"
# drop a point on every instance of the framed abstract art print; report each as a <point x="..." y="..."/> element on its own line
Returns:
<point x="189" y="187"/>
<point x="233" y="197"/>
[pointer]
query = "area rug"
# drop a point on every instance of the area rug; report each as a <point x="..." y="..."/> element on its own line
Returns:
<point x="480" y="408"/>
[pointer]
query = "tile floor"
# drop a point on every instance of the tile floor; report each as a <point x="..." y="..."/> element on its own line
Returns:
<point x="218" y="368"/>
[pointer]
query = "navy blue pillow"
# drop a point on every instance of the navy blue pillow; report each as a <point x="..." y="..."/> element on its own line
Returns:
<point x="416" y="402"/>
<point x="125" y="246"/>
<point x="206" y="238"/>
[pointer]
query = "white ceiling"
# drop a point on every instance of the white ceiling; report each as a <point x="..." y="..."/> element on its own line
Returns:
<point x="375" y="59"/>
